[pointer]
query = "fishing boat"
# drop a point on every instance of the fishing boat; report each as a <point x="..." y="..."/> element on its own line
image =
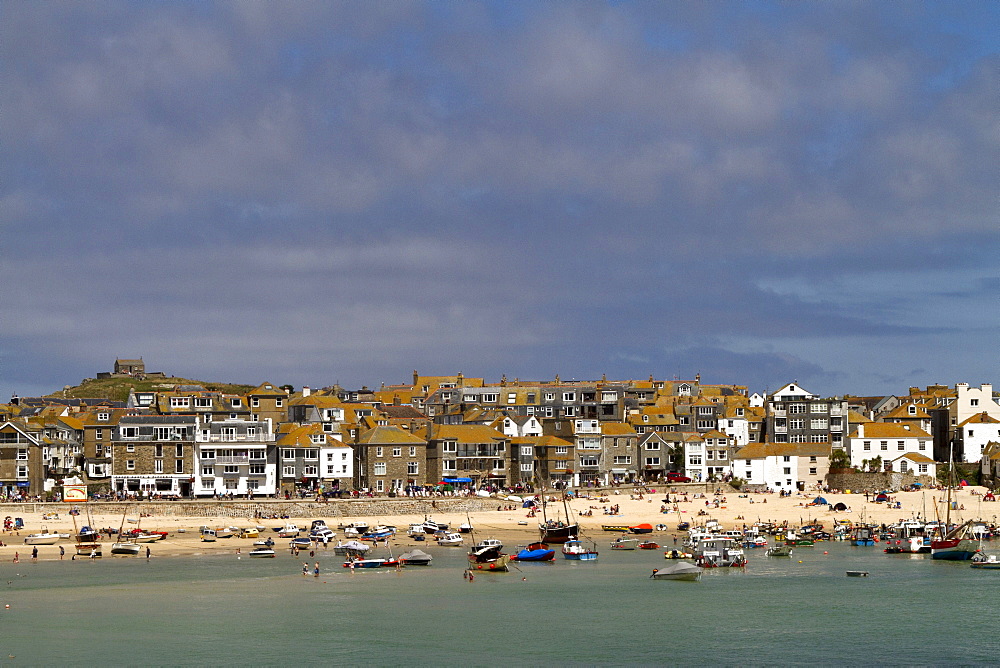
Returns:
<point x="911" y="545"/>
<point x="556" y="530"/>
<point x="88" y="539"/>
<point x="574" y="550"/>
<point x="415" y="557"/>
<point x="535" y="552"/>
<point x="262" y="553"/>
<point x="960" y="543"/>
<point x="624" y="543"/>
<point x="682" y="570"/>
<point x="863" y="535"/>
<point x="264" y="542"/>
<point x="124" y="544"/>
<point x="779" y="551"/>
<point x="488" y="555"/>
<point x="719" y="551"/>
<point x="449" y="540"/>
<point x="986" y="562"/>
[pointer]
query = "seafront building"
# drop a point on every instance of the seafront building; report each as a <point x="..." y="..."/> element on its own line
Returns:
<point x="187" y="441"/>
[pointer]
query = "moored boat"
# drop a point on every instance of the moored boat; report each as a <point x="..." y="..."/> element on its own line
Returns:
<point x="649" y="545"/>
<point x="779" y="551"/>
<point x="681" y="570"/>
<point x="488" y="555"/>
<point x="43" y="538"/>
<point x="449" y="540"/>
<point x="959" y="544"/>
<point x="719" y="551"/>
<point x="624" y="543"/>
<point x="262" y="552"/>
<point x="574" y="550"/>
<point x="535" y="552"/>
<point x="415" y="557"/>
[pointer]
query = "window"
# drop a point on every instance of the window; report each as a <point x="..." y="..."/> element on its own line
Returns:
<point x="378" y="451"/>
<point x="709" y="454"/>
<point x="379" y="468"/>
<point x="588" y="461"/>
<point x="900" y="445"/>
<point x="652" y="461"/>
<point x="312" y="453"/>
<point x="973" y="402"/>
<point x="684" y="420"/>
<point x="922" y="468"/>
<point x="704" y="424"/>
<point x="288" y="471"/>
<point x="288" y="453"/>
<point x="569" y="411"/>
<point x="787" y="470"/>
<point x="569" y="396"/>
<point x="526" y="450"/>
<point x="796" y="408"/>
<point x="653" y="445"/>
<point x="722" y="454"/>
<point x="178" y="466"/>
<point x="449" y="465"/>
<point x="208" y="454"/>
<point x="818" y="423"/>
<point x="623" y="459"/>
<point x="22" y="471"/>
<point x="103" y="416"/>
<point x="491" y="397"/>
<point x="208" y="470"/>
<point x="311" y="471"/>
<point x="397" y="452"/>
<point x="380" y="485"/>
<point x="511" y="398"/>
<point x="796" y="423"/>
<point x="447" y="446"/>
<point x="22" y="454"/>
<point x="694" y="460"/>
<point x="817" y="438"/>
<point x="231" y="469"/>
<point x="279" y="402"/>
<point x="129" y="464"/>
<point x="819" y="408"/>
<point x="922" y="445"/>
<point x="562" y="450"/>
<point x="412" y="468"/>
<point x="867" y="445"/>
<point x="786" y="458"/>
<point x="180" y="402"/>
<point x="180" y="450"/>
<point x="158" y="466"/>
<point x="130" y="447"/>
<point x="236" y="402"/>
<point x="883" y="445"/>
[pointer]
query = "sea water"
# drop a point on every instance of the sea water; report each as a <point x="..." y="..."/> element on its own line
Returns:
<point x="233" y="610"/>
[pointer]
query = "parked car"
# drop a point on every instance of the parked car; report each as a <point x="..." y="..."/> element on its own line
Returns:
<point x="677" y="477"/>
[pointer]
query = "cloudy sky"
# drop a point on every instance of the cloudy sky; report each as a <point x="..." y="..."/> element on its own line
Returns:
<point x="345" y="192"/>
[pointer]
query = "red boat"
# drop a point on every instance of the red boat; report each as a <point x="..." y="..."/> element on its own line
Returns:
<point x="649" y="545"/>
<point x="642" y="528"/>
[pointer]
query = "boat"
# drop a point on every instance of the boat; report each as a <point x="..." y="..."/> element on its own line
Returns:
<point x="465" y="527"/>
<point x="300" y="542"/>
<point x="863" y="535"/>
<point x="857" y="574"/>
<point x="249" y="532"/>
<point x="262" y="552"/>
<point x="911" y="545"/>
<point x="574" y="550"/>
<point x="88" y="539"/>
<point x="355" y="530"/>
<point x="641" y="528"/>
<point x="488" y="555"/>
<point x="557" y="531"/>
<point x="415" y="557"/>
<point x="449" y="540"/>
<point x="351" y="548"/>
<point x="677" y="554"/>
<point x="265" y="542"/>
<point x="986" y="562"/>
<point x="207" y="535"/>
<point x="681" y="570"/>
<point x="126" y="547"/>
<point x="535" y="552"/>
<point x="649" y="545"/>
<point x="779" y="551"/>
<point x="379" y="533"/>
<point x="430" y="526"/>
<point x="719" y="551"/>
<point x="355" y="562"/>
<point x="43" y="538"/>
<point x="624" y="543"/>
<point x="615" y="527"/>
<point x="288" y="531"/>
<point x="961" y="543"/>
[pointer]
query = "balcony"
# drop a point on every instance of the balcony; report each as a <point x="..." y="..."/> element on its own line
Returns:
<point x="781" y="430"/>
<point x="236" y="438"/>
<point x="779" y="412"/>
<point x="237" y="461"/>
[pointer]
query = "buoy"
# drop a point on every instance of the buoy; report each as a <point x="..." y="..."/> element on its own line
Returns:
<point x="826" y="552"/>
<point x="7" y="606"/>
<point x="800" y="562"/>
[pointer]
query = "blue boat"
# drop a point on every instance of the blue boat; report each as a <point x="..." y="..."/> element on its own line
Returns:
<point x="535" y="552"/>
<point x="575" y="550"/>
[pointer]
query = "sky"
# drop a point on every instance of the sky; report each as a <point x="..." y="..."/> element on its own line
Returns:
<point x="346" y="192"/>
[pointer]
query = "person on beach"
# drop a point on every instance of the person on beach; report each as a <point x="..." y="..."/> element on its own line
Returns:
<point x="305" y="569"/>
<point x="17" y="558"/>
<point x="147" y="554"/>
<point x="316" y="570"/>
<point x="34" y="554"/>
<point x="62" y="552"/>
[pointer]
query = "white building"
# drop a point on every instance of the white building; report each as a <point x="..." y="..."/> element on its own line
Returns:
<point x="888" y="440"/>
<point x="783" y="466"/>
<point x="975" y="432"/>
<point x="916" y="464"/>
<point x="234" y="456"/>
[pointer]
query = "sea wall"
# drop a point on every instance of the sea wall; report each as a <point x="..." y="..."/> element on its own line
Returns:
<point x="859" y="482"/>
<point x="269" y="508"/>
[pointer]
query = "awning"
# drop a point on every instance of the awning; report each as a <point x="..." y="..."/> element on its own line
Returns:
<point x="619" y="470"/>
<point x="457" y="479"/>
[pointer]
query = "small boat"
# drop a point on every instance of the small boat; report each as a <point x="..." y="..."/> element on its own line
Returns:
<point x="379" y="533"/>
<point x="262" y="552"/>
<point x="779" y="551"/>
<point x="351" y="548"/>
<point x="356" y="529"/>
<point x="266" y="542"/>
<point x="208" y="535"/>
<point x="87" y="549"/>
<point x="364" y="563"/>
<point x="624" y="543"/>
<point x="857" y="574"/>
<point x="249" y="532"/>
<point x="615" y="527"/>
<point x="986" y="562"/>
<point x="649" y="545"/>
<point x="677" y="554"/>
<point x="43" y="538"/>
<point x="449" y="540"/>
<point x="146" y="537"/>
<point x="288" y="531"/>
<point x="415" y="557"/>
<point x="535" y="552"/>
<point x="430" y="526"/>
<point x="576" y="551"/>
<point x="127" y="547"/>
<point x="225" y="532"/>
<point x="487" y="555"/>
<point x="465" y="527"/>
<point x="641" y="528"/>
<point x="682" y="570"/>
<point x="302" y="543"/>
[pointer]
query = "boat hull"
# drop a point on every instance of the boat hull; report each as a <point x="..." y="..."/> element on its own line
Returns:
<point x="557" y="534"/>
<point x="129" y="549"/>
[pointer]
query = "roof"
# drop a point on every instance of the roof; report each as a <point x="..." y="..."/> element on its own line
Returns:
<point x="617" y="429"/>
<point x="916" y="457"/>
<point x="466" y="433"/>
<point x="980" y="418"/>
<point x="390" y="436"/>
<point x="762" y="450"/>
<point x="891" y="430"/>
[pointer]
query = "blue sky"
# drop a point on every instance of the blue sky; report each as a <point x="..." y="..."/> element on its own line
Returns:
<point x="337" y="192"/>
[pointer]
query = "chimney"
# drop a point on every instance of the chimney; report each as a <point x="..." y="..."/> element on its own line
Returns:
<point x="461" y="379"/>
<point x="861" y="430"/>
<point x="306" y="391"/>
<point x="430" y="429"/>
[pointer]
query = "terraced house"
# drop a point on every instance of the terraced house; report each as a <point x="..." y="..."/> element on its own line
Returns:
<point x="154" y="455"/>
<point x="234" y="456"/>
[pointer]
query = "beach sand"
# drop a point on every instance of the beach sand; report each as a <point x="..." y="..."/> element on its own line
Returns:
<point x="736" y="509"/>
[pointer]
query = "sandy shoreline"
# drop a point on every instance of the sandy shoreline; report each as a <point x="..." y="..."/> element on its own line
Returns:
<point x="733" y="512"/>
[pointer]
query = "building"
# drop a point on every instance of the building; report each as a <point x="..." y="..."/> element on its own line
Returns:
<point x="887" y="441"/>
<point x="154" y="455"/>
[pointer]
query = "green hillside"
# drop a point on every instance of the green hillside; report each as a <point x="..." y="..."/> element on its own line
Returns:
<point x="117" y="389"/>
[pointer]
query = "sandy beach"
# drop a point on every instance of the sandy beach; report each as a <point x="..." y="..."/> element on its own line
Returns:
<point x="513" y="525"/>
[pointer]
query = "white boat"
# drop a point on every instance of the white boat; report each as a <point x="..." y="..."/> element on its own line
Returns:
<point x="288" y="531"/>
<point x="680" y="570"/>
<point x="147" y="537"/>
<point x="624" y="543"/>
<point x="224" y="532"/>
<point x="262" y="552"/>
<point x="576" y="551"/>
<point x="449" y="540"/>
<point x="779" y="551"/>
<point x="43" y="538"/>
<point x="302" y="543"/>
<point x="466" y="527"/>
<point x="126" y="547"/>
<point x="719" y="551"/>
<point x="351" y="548"/>
<point x="415" y="557"/>
<point x="208" y="535"/>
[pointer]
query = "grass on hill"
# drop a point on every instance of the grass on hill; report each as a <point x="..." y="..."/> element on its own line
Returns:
<point x="117" y="389"/>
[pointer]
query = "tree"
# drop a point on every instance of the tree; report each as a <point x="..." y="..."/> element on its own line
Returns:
<point x="840" y="460"/>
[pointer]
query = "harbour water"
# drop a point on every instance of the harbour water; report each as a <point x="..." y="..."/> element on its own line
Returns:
<point x="221" y="610"/>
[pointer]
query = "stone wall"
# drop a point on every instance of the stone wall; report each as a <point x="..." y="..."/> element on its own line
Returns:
<point x="859" y="482"/>
<point x="267" y="508"/>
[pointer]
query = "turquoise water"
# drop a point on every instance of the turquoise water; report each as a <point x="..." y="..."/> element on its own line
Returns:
<point x="220" y="610"/>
